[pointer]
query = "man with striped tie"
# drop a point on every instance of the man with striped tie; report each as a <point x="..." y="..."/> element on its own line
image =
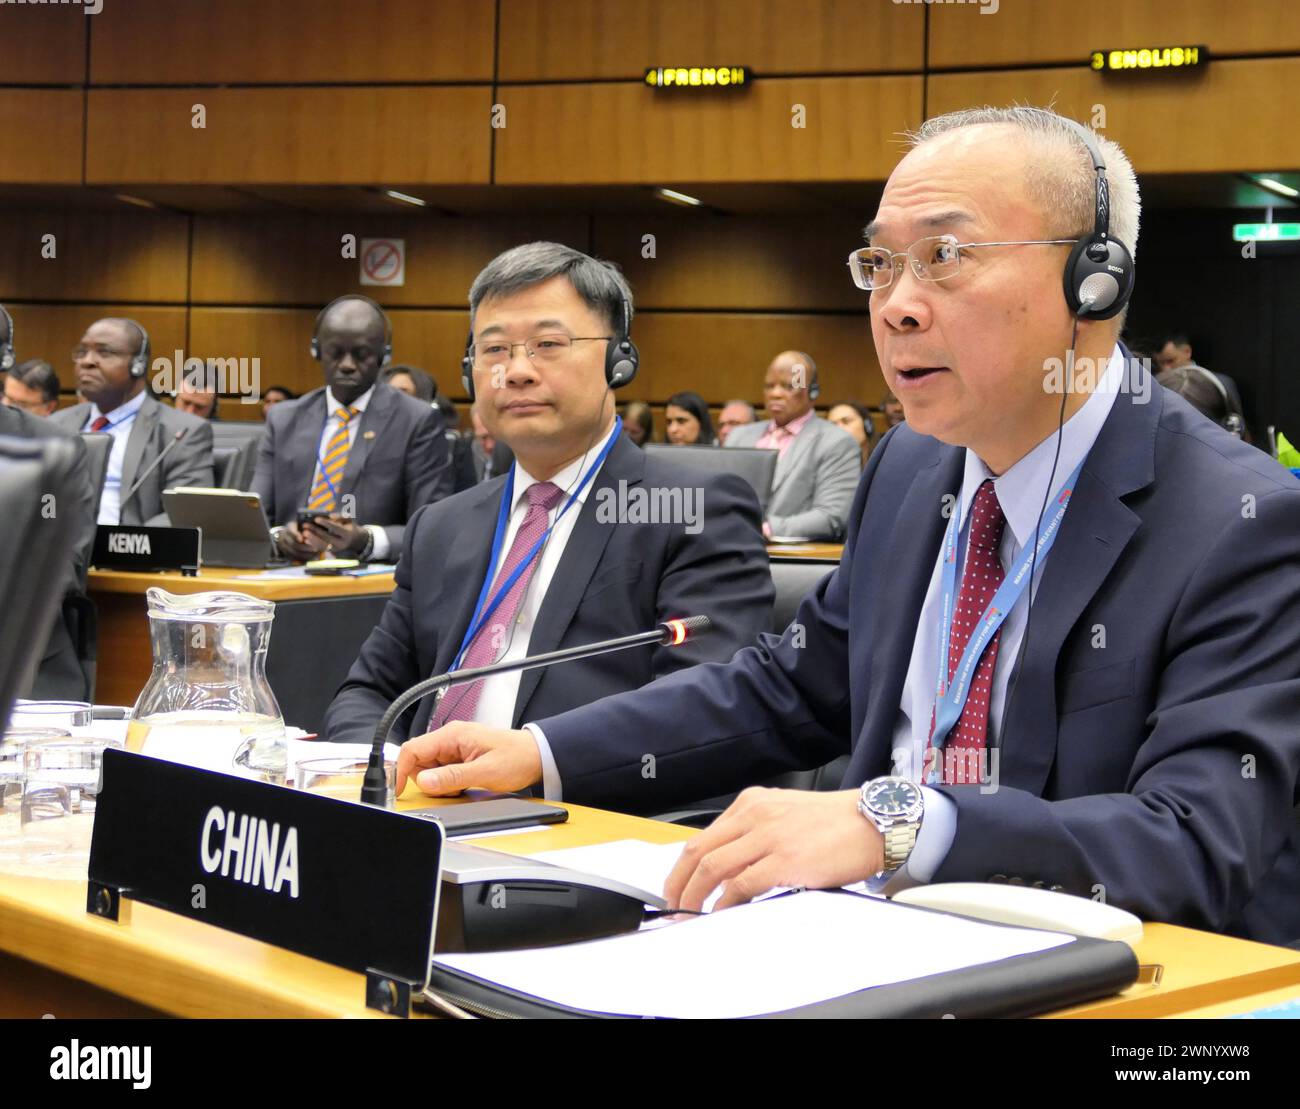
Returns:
<point x="358" y="454"/>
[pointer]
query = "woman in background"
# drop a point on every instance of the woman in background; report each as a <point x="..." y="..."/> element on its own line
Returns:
<point x="687" y="419"/>
<point x="856" y="420"/>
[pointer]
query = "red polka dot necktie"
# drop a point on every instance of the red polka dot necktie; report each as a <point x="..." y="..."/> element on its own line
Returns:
<point x="493" y="638"/>
<point x="967" y="740"/>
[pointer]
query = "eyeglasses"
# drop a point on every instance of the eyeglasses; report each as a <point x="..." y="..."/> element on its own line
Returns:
<point x="934" y="258"/>
<point x="555" y="347"/>
<point x="100" y="350"/>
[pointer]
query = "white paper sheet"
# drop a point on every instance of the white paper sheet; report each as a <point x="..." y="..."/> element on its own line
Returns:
<point x="634" y="861"/>
<point x="766" y="957"/>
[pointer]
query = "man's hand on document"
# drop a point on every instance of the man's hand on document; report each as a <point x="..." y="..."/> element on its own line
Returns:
<point x="776" y="837"/>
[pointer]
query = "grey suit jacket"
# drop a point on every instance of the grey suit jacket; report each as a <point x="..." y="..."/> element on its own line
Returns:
<point x="399" y="461"/>
<point x="815" y="479"/>
<point x="188" y="462"/>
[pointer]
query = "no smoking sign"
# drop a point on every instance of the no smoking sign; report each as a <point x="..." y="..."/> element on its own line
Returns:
<point x="383" y="261"/>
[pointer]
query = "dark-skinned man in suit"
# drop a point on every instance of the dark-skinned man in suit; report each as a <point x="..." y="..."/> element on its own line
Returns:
<point x="361" y="454"/>
<point x="154" y="447"/>
<point x="1136" y="742"/>
<point x="543" y="316"/>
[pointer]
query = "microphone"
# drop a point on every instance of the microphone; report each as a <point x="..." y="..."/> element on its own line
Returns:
<point x="671" y="633"/>
<point x="153" y="465"/>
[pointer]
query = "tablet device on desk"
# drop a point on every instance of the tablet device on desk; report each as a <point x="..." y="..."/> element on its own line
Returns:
<point x="477" y="817"/>
<point x="235" y="532"/>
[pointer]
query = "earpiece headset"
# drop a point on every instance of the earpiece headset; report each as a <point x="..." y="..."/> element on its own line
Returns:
<point x="1100" y="270"/>
<point x="1098" y="283"/>
<point x="7" y="347"/>
<point x="388" y="326"/>
<point x="1233" y="422"/>
<point x="621" y="357"/>
<point x="140" y="363"/>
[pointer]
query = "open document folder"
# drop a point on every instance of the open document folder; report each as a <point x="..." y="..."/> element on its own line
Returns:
<point x="814" y="953"/>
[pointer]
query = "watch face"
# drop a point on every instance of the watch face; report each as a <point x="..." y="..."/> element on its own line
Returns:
<point x="893" y="797"/>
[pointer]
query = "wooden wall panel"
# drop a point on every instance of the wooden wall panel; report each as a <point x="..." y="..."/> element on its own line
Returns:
<point x="1066" y="31"/>
<point x="50" y="331"/>
<point x="297" y="259"/>
<point x="361" y="136"/>
<point x="280" y="337"/>
<point x="705" y="261"/>
<point x="42" y="130"/>
<point x="291" y="41"/>
<point x="624" y="134"/>
<point x="43" y="45"/>
<point x="99" y="256"/>
<point x="583" y="39"/>
<point x="1227" y="119"/>
<point x="724" y="355"/>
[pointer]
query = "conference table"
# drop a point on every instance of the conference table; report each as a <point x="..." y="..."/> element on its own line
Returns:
<point x="57" y="959"/>
<point x="311" y="614"/>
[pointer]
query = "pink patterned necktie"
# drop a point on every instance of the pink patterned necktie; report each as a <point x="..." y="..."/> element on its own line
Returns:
<point x="983" y="575"/>
<point x="460" y="702"/>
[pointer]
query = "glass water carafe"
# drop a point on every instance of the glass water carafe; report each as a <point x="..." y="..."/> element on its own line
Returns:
<point x="207" y="702"/>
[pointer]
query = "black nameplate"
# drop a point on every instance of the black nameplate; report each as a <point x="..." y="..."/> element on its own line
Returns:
<point x="126" y="547"/>
<point x="350" y="884"/>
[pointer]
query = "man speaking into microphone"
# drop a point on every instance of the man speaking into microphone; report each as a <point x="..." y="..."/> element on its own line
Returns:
<point x="583" y="539"/>
<point x="154" y="447"/>
<point x="1132" y="736"/>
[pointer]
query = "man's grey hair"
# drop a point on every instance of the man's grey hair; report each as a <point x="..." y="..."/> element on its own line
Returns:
<point x="1061" y="175"/>
<point x="600" y="284"/>
<point x="753" y="413"/>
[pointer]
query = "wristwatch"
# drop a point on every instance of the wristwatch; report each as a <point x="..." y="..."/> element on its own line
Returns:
<point x="896" y="807"/>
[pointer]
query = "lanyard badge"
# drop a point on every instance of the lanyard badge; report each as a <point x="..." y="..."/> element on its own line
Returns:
<point x="950" y="698"/>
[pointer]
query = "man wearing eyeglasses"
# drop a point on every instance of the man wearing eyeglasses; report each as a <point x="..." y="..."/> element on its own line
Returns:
<point x="584" y="538"/>
<point x="1136" y="740"/>
<point x="356" y="457"/>
<point x="154" y="447"/>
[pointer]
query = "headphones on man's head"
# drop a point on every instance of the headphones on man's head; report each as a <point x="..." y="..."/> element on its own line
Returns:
<point x="621" y="357"/>
<point x="1233" y="422"/>
<point x="7" y="347"/>
<point x="140" y="363"/>
<point x="1100" y="270"/>
<point x="388" y="326"/>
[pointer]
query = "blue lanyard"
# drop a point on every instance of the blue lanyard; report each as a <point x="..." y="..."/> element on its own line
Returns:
<point x="483" y="615"/>
<point x="950" y="700"/>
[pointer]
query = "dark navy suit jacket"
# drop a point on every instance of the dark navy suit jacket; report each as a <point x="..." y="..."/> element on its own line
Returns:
<point x="399" y="461"/>
<point x="613" y="579"/>
<point x="1158" y="771"/>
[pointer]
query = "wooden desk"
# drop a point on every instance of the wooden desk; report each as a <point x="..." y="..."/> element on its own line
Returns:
<point x="332" y="614"/>
<point x="816" y="552"/>
<point x="57" y="959"/>
<point x="163" y="962"/>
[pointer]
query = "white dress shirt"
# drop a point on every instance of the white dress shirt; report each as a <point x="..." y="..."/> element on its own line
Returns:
<point x="380" y="550"/>
<point x="496" y="703"/>
<point x="119" y="427"/>
<point x="1020" y="493"/>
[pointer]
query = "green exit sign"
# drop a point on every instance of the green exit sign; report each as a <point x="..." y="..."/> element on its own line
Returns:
<point x="1266" y="232"/>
